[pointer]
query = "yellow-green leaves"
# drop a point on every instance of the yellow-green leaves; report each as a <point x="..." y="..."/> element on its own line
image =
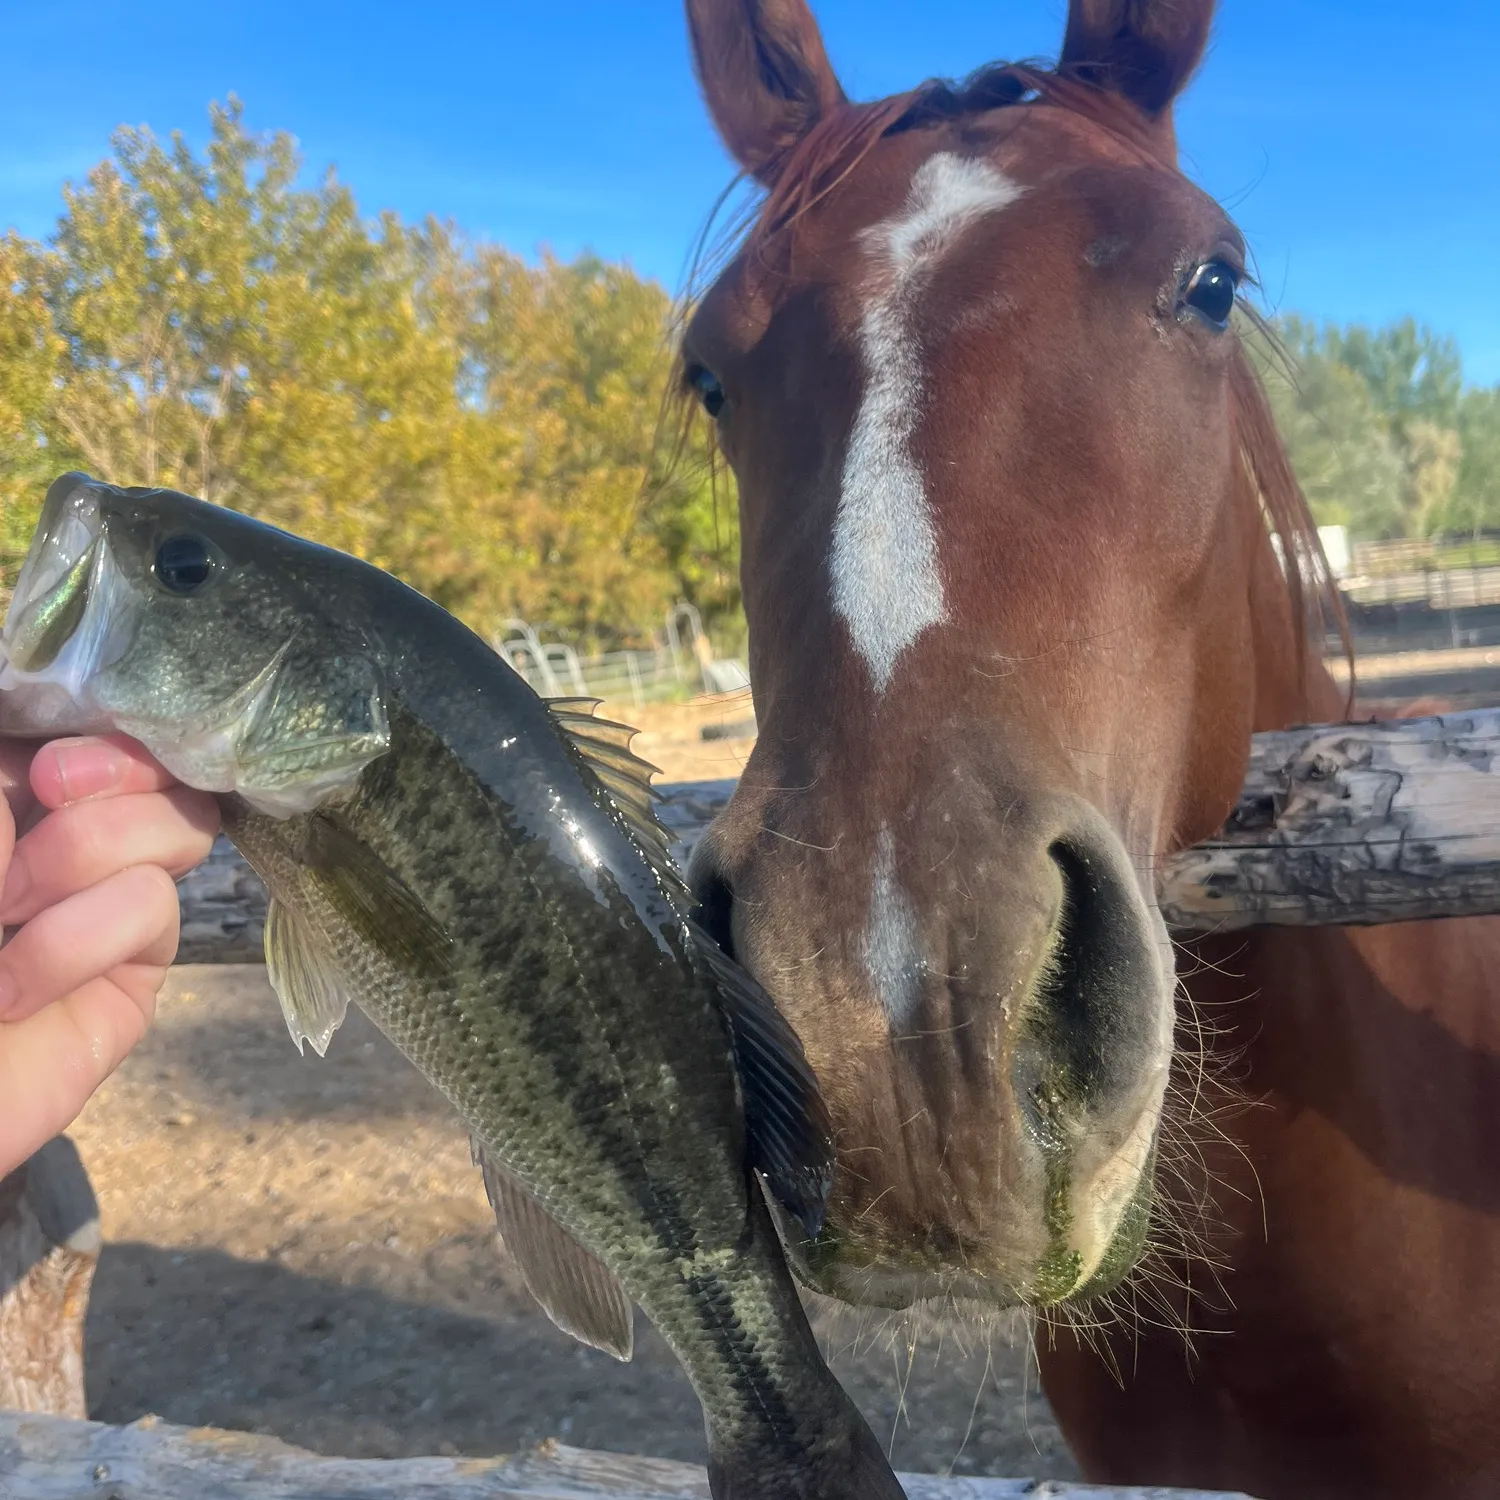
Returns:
<point x="481" y="426"/>
<point x="1381" y="431"/>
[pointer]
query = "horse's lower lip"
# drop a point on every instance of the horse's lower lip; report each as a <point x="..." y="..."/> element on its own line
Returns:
<point x="861" y="1262"/>
<point x="838" y="1265"/>
<point x="893" y="1285"/>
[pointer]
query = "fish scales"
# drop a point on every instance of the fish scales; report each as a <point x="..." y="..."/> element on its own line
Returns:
<point x="516" y="1034"/>
<point x="602" y="1159"/>
<point x="481" y="873"/>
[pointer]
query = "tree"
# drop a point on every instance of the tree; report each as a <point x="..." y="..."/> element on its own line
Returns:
<point x="1339" y="445"/>
<point x="29" y="353"/>
<point x="482" y="427"/>
<point x="1475" y="500"/>
<point x="1380" y="429"/>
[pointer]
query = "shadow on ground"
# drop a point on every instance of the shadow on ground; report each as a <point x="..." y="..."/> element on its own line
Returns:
<point x="302" y="1247"/>
<point x="202" y="1338"/>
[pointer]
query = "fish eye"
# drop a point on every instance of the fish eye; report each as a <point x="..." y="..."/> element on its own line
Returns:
<point x="182" y="564"/>
<point x="1211" y="292"/>
<point x="705" y="384"/>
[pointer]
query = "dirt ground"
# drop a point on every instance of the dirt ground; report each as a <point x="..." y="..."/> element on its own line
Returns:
<point x="301" y="1247"/>
<point x="671" y="735"/>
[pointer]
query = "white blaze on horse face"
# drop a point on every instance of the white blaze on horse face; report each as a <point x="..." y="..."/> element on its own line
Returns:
<point x="887" y="585"/>
<point x="893" y="953"/>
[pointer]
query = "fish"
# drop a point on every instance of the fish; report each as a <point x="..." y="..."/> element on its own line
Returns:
<point x="482" y="872"/>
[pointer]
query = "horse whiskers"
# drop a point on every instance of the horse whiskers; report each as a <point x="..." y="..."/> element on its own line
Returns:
<point x="1181" y="1265"/>
<point x="984" y="1380"/>
<point x="1178" y="1284"/>
<point x="802" y="843"/>
<point x="1203" y="964"/>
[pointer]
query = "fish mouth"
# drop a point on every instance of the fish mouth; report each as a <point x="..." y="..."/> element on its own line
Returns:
<point x="52" y="593"/>
<point x="68" y="617"/>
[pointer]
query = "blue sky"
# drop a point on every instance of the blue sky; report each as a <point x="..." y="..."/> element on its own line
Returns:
<point x="1357" y="141"/>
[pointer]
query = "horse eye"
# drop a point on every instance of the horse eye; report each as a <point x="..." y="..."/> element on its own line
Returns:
<point x="183" y="563"/>
<point x="1211" y="292"/>
<point x="710" y="392"/>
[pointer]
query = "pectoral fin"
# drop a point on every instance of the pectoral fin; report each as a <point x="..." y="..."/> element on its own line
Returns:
<point x="313" y="998"/>
<point x="373" y="899"/>
<point x="575" y="1288"/>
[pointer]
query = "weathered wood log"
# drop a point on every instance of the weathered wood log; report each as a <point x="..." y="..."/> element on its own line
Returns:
<point x="1353" y="824"/>
<point x="1337" y="824"/>
<point x="47" y="1458"/>
<point x="49" y="1246"/>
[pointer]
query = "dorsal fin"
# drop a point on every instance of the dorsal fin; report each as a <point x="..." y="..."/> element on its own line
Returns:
<point x="787" y="1124"/>
<point x="604" y="733"/>
<point x="626" y="778"/>
<point x="583" y="706"/>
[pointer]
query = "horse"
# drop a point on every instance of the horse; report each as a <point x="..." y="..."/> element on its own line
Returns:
<point x="1024" y="566"/>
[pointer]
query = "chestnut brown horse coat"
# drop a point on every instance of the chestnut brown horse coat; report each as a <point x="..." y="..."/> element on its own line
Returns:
<point x="1024" y="567"/>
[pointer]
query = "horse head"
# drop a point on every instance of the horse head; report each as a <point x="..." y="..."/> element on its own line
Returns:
<point x="1014" y="539"/>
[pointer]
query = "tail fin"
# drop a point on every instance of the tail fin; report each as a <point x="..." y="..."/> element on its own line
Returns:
<point x="848" y="1465"/>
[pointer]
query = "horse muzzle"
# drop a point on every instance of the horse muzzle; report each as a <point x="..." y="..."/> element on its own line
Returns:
<point x="985" y="993"/>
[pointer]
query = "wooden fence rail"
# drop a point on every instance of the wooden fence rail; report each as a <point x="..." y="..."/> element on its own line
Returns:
<point x="52" y="1458"/>
<point x="1337" y="824"/>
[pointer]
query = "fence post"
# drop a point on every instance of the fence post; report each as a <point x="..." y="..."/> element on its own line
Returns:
<point x="49" y="1246"/>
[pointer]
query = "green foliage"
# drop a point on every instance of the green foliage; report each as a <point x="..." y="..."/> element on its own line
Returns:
<point x="1475" y="503"/>
<point x="1380" y="429"/>
<point x="490" y="429"/>
<point x="29" y="351"/>
<point x="482" y="427"/>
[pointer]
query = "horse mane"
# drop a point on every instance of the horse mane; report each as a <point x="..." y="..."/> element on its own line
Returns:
<point x="841" y="139"/>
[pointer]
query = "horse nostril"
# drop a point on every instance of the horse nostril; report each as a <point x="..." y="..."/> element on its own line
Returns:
<point x="1093" y="996"/>
<point x="1066" y="986"/>
<point x="715" y="909"/>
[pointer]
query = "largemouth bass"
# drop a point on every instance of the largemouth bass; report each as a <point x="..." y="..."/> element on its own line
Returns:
<point x="482" y="873"/>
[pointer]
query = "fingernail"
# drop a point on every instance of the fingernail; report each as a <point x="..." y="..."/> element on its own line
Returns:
<point x="87" y="768"/>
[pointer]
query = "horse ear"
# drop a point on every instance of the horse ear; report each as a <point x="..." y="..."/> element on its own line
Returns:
<point x="765" y="76"/>
<point x="1144" y="49"/>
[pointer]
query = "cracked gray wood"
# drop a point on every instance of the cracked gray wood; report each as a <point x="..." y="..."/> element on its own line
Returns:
<point x="49" y="1246"/>
<point x="47" y="1458"/>
<point x="1353" y="824"/>
<point x="1347" y="824"/>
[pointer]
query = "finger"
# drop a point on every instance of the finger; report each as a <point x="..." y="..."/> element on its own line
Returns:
<point x="7" y="833"/>
<point x="79" y="845"/>
<point x="15" y="777"/>
<point x="129" y="918"/>
<point x="111" y="765"/>
<point x="51" y="1063"/>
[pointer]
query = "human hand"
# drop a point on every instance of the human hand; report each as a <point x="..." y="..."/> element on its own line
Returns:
<point x="88" y="889"/>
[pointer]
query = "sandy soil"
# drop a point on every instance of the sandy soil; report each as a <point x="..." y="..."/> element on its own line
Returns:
<point x="1458" y="661"/>
<point x="671" y="735"/>
<point x="301" y="1247"/>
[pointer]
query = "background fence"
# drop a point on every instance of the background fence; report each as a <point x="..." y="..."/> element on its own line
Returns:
<point x="683" y="663"/>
